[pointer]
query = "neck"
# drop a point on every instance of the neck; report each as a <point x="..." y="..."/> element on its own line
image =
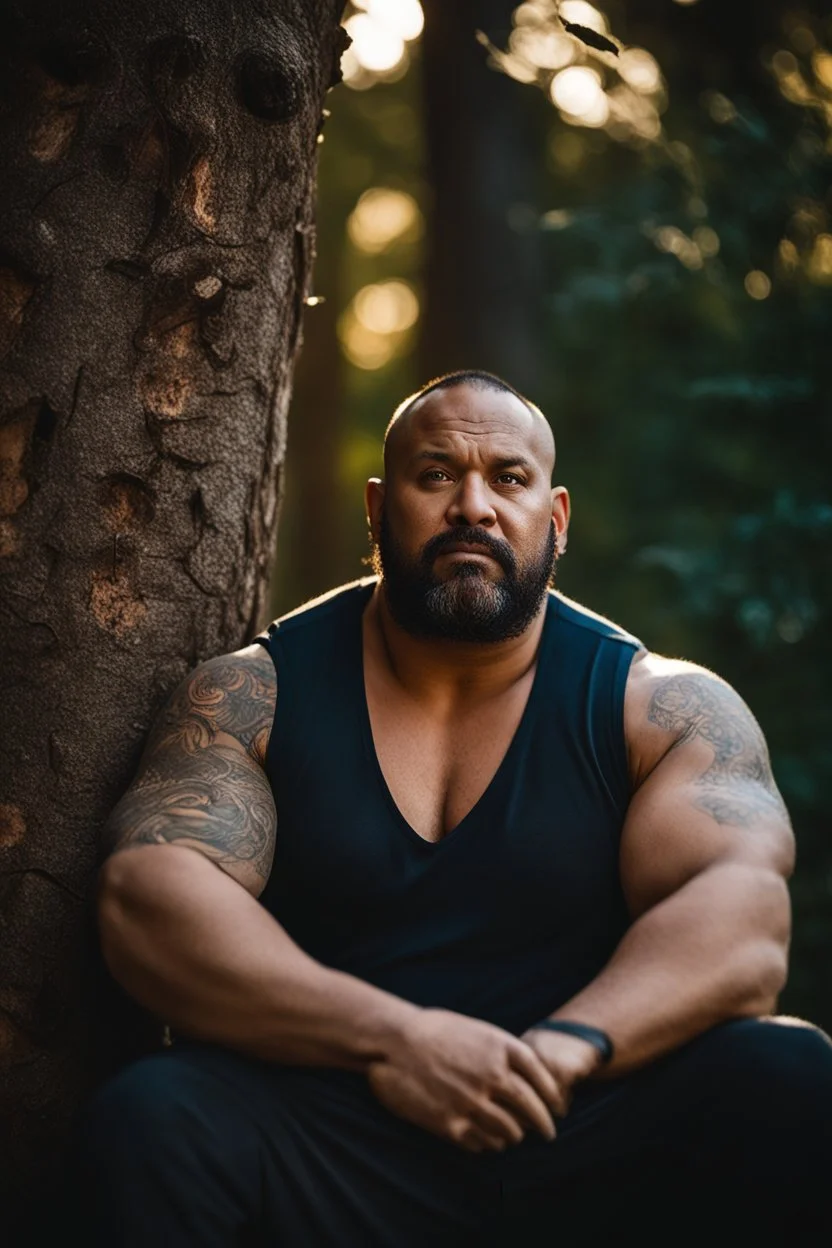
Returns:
<point x="449" y="671"/>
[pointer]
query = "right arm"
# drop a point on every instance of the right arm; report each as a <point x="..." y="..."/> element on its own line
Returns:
<point x="192" y="844"/>
<point x="189" y="940"/>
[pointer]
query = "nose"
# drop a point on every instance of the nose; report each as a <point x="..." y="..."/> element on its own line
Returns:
<point x="471" y="504"/>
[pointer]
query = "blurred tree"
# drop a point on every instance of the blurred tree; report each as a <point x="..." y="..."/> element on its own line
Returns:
<point x="157" y="237"/>
<point x="484" y="137"/>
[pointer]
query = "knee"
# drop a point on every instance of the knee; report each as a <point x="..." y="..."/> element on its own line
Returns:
<point x="156" y="1106"/>
<point x="773" y="1070"/>
<point x="787" y="1051"/>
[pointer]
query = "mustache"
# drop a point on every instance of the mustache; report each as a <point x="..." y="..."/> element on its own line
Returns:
<point x="471" y="536"/>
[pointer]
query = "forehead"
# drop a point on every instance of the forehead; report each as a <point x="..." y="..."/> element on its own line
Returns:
<point x="465" y="418"/>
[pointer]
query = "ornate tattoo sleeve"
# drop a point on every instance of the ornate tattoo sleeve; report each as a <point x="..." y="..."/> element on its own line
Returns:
<point x="200" y="781"/>
<point x="738" y="787"/>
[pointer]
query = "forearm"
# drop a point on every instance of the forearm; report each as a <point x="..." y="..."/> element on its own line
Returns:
<point x="714" y="950"/>
<point x="197" y="950"/>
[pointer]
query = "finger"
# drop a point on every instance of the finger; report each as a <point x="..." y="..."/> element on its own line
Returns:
<point x="525" y="1061"/>
<point x="499" y="1123"/>
<point x="473" y="1139"/>
<point x="521" y="1098"/>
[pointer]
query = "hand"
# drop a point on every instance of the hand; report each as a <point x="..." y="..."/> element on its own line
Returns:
<point x="467" y="1081"/>
<point x="568" y="1059"/>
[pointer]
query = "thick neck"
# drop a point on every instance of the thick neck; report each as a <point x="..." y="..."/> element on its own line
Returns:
<point x="449" y="672"/>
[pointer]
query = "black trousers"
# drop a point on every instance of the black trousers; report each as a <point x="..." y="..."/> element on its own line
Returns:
<point x="727" y="1140"/>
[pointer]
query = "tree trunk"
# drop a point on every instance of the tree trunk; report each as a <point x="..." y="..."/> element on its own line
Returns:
<point x="156" y="237"/>
<point x="485" y="141"/>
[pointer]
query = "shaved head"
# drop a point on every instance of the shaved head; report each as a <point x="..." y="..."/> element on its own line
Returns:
<point x="467" y="525"/>
<point x="532" y="424"/>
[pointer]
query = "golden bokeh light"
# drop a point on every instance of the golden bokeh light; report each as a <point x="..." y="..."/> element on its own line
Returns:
<point x="757" y="284"/>
<point x="386" y="307"/>
<point x="822" y="65"/>
<point x="544" y="48"/>
<point x="374" y="47"/>
<point x="720" y="108"/>
<point x="707" y="240"/>
<point x="375" y="327"/>
<point x="632" y="114"/>
<point x="819" y="265"/>
<point x="639" y="70"/>
<point x="534" y="12"/>
<point x="404" y="17"/>
<point x="380" y="32"/>
<point x="362" y="347"/>
<point x="675" y="242"/>
<point x="578" y="93"/>
<point x="381" y="217"/>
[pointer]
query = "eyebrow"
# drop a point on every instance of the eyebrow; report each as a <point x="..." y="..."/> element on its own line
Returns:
<point x="511" y="461"/>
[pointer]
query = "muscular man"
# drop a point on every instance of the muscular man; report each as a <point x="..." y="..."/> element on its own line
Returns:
<point x="370" y="859"/>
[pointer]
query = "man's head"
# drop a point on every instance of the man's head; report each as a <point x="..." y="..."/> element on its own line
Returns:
<point x="467" y="527"/>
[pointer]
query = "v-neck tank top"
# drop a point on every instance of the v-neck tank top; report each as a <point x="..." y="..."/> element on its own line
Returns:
<point x="520" y="905"/>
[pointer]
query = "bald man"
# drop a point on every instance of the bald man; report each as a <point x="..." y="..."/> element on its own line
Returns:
<point x="468" y="915"/>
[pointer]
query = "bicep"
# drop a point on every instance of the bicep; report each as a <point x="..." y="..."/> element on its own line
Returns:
<point x="710" y="798"/>
<point x="198" y="784"/>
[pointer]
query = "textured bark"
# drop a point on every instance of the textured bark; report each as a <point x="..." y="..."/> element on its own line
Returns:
<point x="156" y="236"/>
<point x="484" y="135"/>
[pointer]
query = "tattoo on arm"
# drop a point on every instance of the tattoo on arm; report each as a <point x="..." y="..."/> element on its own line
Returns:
<point x="738" y="787"/>
<point x="193" y="786"/>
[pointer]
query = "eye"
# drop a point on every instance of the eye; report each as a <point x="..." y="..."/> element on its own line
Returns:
<point x="510" y="478"/>
<point x="435" y="475"/>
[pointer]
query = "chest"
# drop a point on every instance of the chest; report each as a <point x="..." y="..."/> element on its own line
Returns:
<point x="436" y="767"/>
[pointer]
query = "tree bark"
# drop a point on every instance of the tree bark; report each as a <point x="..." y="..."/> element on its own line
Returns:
<point x="156" y="238"/>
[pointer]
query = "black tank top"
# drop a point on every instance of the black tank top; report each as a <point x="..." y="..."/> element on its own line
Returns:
<point x="519" y="906"/>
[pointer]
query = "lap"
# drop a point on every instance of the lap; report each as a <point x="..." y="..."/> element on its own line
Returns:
<point x="315" y="1158"/>
<point x="737" y="1123"/>
<point x="309" y="1156"/>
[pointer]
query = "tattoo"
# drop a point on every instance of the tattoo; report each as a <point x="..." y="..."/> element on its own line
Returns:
<point x="738" y="787"/>
<point x="192" y="786"/>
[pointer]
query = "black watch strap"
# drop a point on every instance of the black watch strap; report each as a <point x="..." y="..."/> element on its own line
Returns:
<point x="593" y="1035"/>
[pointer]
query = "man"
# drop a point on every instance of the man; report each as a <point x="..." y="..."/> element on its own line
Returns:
<point x="467" y="913"/>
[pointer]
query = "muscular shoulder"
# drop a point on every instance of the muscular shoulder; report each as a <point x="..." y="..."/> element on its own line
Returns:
<point x="675" y="709"/>
<point x="201" y="781"/>
<point x="231" y="695"/>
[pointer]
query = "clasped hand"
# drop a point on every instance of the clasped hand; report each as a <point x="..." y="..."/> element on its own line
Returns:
<point x="476" y="1085"/>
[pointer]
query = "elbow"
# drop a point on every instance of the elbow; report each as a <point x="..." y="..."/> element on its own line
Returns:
<point x="133" y="887"/>
<point x="116" y="902"/>
<point x="764" y="978"/>
<point x="760" y="969"/>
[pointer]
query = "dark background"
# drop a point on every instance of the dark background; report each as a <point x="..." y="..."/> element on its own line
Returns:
<point x="643" y="245"/>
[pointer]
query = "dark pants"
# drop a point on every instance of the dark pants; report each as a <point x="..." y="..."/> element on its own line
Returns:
<point x="727" y="1140"/>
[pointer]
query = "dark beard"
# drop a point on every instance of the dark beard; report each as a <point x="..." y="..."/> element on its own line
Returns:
<point x="469" y="606"/>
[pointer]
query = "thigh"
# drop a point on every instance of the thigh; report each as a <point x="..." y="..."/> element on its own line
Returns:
<point x="729" y="1133"/>
<point x="228" y="1150"/>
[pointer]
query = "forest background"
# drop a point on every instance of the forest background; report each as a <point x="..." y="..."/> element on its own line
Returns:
<point x="641" y="243"/>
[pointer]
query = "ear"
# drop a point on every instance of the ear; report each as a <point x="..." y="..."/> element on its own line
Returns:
<point x="561" y="511"/>
<point x="373" y="504"/>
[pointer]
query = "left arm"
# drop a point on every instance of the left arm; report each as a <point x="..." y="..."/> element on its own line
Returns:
<point x="706" y="850"/>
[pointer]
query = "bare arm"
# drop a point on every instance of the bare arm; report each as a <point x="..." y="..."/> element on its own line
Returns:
<point x="185" y="938"/>
<point x="193" y="841"/>
<point x="706" y="850"/>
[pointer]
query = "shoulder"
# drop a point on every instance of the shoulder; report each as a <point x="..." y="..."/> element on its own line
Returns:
<point x="671" y="702"/>
<point x="324" y="609"/>
<point x="230" y="695"/>
<point x="575" y="616"/>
